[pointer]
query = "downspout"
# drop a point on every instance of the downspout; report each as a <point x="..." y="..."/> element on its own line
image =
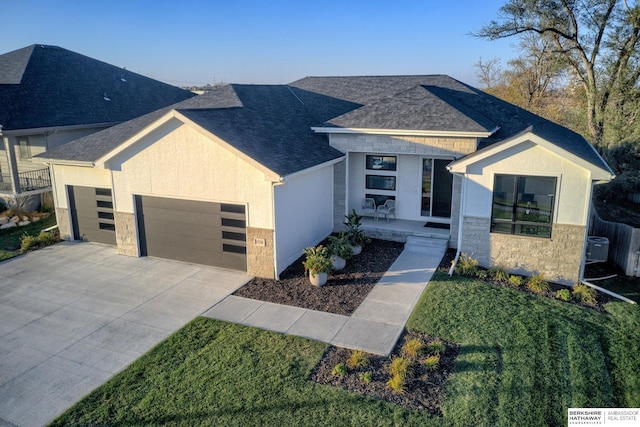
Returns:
<point x="282" y="181"/>
<point x="463" y="199"/>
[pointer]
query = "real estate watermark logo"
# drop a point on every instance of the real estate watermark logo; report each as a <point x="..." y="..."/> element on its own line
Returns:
<point x="613" y="417"/>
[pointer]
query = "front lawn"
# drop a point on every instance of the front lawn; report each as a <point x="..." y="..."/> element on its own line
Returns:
<point x="10" y="238"/>
<point x="216" y="373"/>
<point x="523" y="360"/>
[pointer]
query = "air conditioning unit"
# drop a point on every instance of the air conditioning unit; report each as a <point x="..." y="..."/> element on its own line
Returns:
<point x="597" y="249"/>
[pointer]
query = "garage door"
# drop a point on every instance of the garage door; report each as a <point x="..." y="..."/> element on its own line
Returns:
<point x="92" y="214"/>
<point x="193" y="231"/>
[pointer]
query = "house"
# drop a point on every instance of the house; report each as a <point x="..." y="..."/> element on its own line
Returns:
<point x="246" y="176"/>
<point x="50" y="96"/>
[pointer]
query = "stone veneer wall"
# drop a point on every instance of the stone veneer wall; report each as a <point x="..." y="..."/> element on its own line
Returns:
<point x="126" y="236"/>
<point x="64" y="223"/>
<point x="260" y="261"/>
<point x="557" y="258"/>
<point x="429" y="146"/>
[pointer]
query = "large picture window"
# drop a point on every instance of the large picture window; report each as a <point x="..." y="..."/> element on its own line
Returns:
<point x="523" y="205"/>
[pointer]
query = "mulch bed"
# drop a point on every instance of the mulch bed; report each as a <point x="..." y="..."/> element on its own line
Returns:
<point x="345" y="289"/>
<point x="424" y="388"/>
<point x="342" y="294"/>
<point x="602" y="298"/>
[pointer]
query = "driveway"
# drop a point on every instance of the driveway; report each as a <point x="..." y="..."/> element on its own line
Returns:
<point x="74" y="314"/>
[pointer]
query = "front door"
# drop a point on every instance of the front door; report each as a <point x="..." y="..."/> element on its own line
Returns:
<point x="437" y="182"/>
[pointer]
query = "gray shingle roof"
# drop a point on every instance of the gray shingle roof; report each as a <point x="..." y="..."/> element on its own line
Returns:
<point x="272" y="123"/>
<point x="445" y="104"/>
<point x="48" y="86"/>
<point x="267" y="123"/>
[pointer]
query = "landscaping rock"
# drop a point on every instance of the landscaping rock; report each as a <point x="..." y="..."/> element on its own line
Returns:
<point x="35" y="219"/>
<point x="25" y="218"/>
<point x="10" y="224"/>
<point x="4" y="220"/>
<point x="15" y="219"/>
<point x="23" y="223"/>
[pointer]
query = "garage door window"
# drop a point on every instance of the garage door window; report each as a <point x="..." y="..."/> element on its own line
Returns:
<point x="234" y="236"/>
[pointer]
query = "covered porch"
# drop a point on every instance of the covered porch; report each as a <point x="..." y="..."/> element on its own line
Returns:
<point x="398" y="230"/>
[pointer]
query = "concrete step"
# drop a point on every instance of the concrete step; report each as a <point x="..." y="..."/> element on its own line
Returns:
<point x="425" y="245"/>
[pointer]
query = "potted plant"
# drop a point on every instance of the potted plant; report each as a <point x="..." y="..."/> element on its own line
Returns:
<point x="317" y="263"/>
<point x="339" y="251"/>
<point x="355" y="236"/>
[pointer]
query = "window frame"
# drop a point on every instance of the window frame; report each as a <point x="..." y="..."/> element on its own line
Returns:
<point x="24" y="148"/>
<point x="372" y="182"/>
<point x="515" y="225"/>
<point x="383" y="162"/>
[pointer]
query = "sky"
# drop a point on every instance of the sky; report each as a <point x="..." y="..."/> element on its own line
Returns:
<point x="195" y="42"/>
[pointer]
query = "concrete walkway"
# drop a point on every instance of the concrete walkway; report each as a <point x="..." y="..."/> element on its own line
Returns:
<point x="376" y="324"/>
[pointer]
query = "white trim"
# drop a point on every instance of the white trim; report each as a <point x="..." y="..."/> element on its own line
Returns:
<point x="461" y="165"/>
<point x="81" y="163"/>
<point x="406" y="132"/>
<point x="173" y="114"/>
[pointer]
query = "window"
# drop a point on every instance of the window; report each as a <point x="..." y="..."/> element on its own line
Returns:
<point x="381" y="163"/>
<point x="381" y="182"/>
<point x="25" y="149"/>
<point x="523" y="205"/>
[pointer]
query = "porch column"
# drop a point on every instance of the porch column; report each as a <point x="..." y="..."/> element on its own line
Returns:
<point x="13" y="164"/>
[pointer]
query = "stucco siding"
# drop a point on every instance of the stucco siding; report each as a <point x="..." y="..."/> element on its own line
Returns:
<point x="559" y="258"/>
<point x="73" y="175"/>
<point x="179" y="162"/>
<point x="304" y="213"/>
<point x="573" y="187"/>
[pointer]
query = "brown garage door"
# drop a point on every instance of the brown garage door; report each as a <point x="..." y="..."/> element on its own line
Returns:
<point x="192" y="231"/>
<point x="92" y="214"/>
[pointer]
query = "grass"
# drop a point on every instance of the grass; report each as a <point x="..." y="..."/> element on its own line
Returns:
<point x="10" y="238"/>
<point x="523" y="360"/>
<point x="216" y="373"/>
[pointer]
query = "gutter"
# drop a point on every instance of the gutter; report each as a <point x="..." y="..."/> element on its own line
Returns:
<point x="48" y="161"/>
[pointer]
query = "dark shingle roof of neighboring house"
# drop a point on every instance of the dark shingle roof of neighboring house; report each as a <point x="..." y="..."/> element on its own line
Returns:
<point x="272" y="123"/>
<point x="267" y="123"/>
<point x="48" y="86"/>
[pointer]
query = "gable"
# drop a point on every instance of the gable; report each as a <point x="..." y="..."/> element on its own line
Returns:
<point x="503" y="151"/>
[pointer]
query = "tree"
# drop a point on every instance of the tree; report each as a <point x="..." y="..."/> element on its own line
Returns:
<point x="536" y="81"/>
<point x="597" y="39"/>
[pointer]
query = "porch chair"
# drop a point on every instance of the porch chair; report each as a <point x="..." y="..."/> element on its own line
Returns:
<point x="388" y="209"/>
<point x="369" y="207"/>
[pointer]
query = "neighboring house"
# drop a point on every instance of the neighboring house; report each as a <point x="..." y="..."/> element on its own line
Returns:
<point x="50" y="96"/>
<point x="247" y="176"/>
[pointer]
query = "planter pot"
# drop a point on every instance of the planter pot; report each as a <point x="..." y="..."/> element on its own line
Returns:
<point x="317" y="279"/>
<point x="356" y="250"/>
<point x="338" y="263"/>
